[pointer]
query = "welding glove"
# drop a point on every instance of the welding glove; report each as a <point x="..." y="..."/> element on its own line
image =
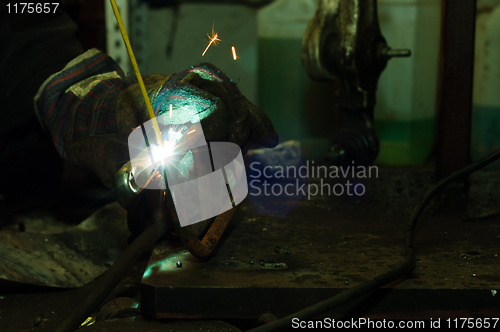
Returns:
<point x="91" y="107"/>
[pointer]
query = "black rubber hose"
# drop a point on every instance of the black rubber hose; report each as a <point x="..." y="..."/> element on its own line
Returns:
<point x="388" y="277"/>
<point x="113" y="276"/>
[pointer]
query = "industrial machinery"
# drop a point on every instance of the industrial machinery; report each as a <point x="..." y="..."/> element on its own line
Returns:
<point x="343" y="41"/>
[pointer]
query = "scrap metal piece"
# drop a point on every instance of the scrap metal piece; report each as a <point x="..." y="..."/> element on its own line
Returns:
<point x="118" y="307"/>
<point x="282" y="250"/>
<point x="274" y="265"/>
<point x="64" y="257"/>
<point x="89" y="321"/>
<point x="38" y="320"/>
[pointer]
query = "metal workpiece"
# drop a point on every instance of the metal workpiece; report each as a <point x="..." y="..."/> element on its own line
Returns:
<point x="190" y="235"/>
<point x="343" y="41"/>
<point x="148" y="206"/>
<point x="151" y="205"/>
<point x="330" y="246"/>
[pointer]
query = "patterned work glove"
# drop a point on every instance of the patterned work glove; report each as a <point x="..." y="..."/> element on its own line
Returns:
<point x="90" y="109"/>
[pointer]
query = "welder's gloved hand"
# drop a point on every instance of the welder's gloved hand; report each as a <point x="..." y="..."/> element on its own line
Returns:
<point x="91" y="108"/>
<point x="201" y="93"/>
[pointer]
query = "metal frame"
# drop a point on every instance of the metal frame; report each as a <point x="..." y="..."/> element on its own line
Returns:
<point x="456" y="79"/>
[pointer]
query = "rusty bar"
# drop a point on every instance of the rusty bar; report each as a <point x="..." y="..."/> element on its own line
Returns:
<point x="455" y="104"/>
<point x="205" y="247"/>
<point x="188" y="236"/>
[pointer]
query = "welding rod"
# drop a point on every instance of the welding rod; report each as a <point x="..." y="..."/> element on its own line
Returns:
<point x="137" y="72"/>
